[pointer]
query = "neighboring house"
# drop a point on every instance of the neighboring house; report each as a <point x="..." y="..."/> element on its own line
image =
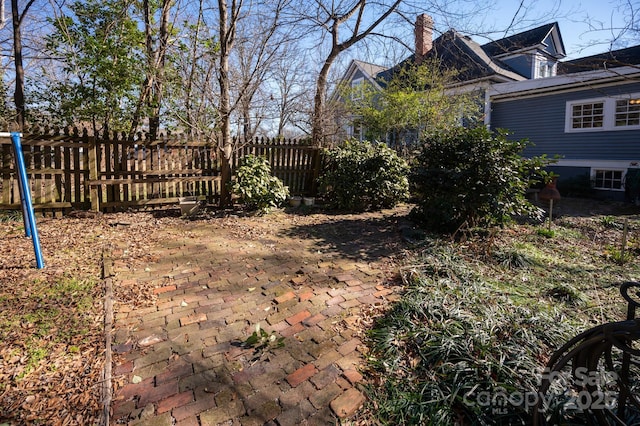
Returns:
<point x="586" y="111"/>
<point x="530" y="54"/>
<point x="588" y="115"/>
<point x="357" y="75"/>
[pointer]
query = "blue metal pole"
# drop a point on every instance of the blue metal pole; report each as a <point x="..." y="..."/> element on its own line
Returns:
<point x="23" y="204"/>
<point x="26" y="198"/>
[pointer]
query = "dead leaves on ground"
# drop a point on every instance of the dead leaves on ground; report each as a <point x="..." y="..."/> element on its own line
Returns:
<point x="52" y="352"/>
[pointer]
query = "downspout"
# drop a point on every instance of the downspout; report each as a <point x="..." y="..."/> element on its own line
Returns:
<point x="487" y="108"/>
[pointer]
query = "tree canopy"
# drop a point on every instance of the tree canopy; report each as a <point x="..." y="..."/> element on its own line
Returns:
<point x="415" y="102"/>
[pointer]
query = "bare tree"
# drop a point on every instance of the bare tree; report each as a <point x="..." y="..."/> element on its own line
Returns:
<point x="18" y="95"/>
<point x="156" y="43"/>
<point x="191" y="101"/>
<point x="260" y="45"/>
<point x="345" y="23"/>
<point x="619" y="29"/>
<point x="290" y="76"/>
<point x="232" y="14"/>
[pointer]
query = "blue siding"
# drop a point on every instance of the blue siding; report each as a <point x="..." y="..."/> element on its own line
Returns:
<point x="358" y="74"/>
<point x="520" y="64"/>
<point x="551" y="47"/>
<point x="542" y="121"/>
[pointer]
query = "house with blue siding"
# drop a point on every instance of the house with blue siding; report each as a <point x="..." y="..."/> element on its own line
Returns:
<point x="585" y="111"/>
<point x="588" y="116"/>
<point x="527" y="55"/>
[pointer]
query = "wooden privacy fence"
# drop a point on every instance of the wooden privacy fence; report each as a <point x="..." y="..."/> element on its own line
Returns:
<point x="77" y="172"/>
<point x="294" y="161"/>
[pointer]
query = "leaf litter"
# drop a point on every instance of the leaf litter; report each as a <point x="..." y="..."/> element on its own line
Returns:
<point x="51" y="324"/>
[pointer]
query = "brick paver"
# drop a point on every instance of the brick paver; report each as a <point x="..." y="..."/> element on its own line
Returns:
<point x="182" y="360"/>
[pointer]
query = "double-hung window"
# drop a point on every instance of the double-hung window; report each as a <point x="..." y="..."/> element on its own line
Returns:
<point x="627" y="112"/>
<point x="546" y="69"/>
<point x="357" y="88"/>
<point x="603" y="114"/>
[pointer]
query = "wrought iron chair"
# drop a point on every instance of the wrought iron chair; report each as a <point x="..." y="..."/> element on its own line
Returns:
<point x="594" y="379"/>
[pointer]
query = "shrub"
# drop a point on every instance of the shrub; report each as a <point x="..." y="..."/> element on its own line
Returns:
<point x="255" y="185"/>
<point x="471" y="177"/>
<point x="364" y="176"/>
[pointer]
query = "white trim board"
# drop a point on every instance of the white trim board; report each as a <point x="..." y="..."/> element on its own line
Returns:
<point x="599" y="164"/>
<point x="561" y="83"/>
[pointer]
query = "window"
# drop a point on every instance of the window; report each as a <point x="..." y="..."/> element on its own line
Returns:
<point x="356" y="131"/>
<point x="357" y="88"/>
<point x="603" y="114"/>
<point x="608" y="179"/>
<point x="587" y="116"/>
<point x="546" y="69"/>
<point x="627" y="112"/>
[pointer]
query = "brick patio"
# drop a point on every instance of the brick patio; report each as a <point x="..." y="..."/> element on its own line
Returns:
<point x="305" y="278"/>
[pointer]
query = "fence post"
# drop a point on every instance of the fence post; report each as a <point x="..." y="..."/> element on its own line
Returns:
<point x="317" y="165"/>
<point x="94" y="188"/>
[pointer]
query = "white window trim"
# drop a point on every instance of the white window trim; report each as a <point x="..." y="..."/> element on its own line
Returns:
<point x="535" y="66"/>
<point x="609" y="110"/>
<point x="356" y="82"/>
<point x="623" y="177"/>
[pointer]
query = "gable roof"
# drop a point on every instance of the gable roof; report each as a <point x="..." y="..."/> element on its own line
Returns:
<point x="456" y="51"/>
<point x="610" y="59"/>
<point x="468" y="57"/>
<point x="369" y="68"/>
<point x="526" y="40"/>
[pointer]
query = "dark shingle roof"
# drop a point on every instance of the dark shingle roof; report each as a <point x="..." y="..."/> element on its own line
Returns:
<point x="611" y="59"/>
<point x="519" y="41"/>
<point x="456" y="51"/>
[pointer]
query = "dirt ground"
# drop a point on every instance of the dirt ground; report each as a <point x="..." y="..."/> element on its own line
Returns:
<point x="579" y="207"/>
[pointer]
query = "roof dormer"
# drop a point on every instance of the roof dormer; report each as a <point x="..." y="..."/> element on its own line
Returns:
<point x="533" y="53"/>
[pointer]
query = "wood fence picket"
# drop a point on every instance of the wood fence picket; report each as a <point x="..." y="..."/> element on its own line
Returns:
<point x="74" y="171"/>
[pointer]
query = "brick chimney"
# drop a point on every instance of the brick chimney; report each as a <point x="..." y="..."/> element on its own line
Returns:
<point x="424" y="36"/>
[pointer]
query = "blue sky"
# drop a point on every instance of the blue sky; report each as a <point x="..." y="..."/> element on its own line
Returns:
<point x="585" y="25"/>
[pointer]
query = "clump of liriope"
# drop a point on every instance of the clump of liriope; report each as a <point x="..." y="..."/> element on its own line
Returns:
<point x="453" y="341"/>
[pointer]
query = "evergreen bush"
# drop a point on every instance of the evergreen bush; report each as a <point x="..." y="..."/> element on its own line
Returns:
<point x="472" y="177"/>
<point x="364" y="176"/>
<point x="256" y="187"/>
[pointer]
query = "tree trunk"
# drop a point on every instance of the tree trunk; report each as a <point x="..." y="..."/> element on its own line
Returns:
<point x="334" y="21"/>
<point x="18" y="95"/>
<point x="151" y="93"/>
<point x="317" y="129"/>
<point x="226" y="42"/>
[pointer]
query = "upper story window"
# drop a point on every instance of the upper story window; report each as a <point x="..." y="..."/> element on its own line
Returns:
<point x="605" y="114"/>
<point x="357" y="87"/>
<point x="587" y="116"/>
<point x="543" y="66"/>
<point x="546" y="69"/>
<point x="627" y="112"/>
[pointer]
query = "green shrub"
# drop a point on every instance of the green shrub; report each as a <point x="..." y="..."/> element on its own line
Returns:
<point x="364" y="176"/>
<point x="471" y="177"/>
<point x="255" y="185"/>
